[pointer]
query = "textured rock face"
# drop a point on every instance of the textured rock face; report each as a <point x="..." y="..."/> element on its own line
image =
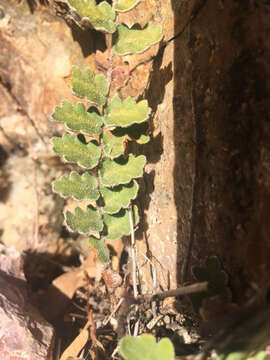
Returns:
<point x="24" y="334"/>
<point x="33" y="71"/>
<point x="34" y="78"/>
<point x="223" y="206"/>
<point x="206" y="189"/>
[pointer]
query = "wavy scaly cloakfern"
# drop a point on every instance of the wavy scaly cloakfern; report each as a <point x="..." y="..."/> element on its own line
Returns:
<point x="109" y="182"/>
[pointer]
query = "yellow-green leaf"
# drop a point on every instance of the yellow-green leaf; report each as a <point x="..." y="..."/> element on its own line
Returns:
<point x="121" y="170"/>
<point x="134" y="40"/>
<point x="100" y="16"/>
<point x="113" y="145"/>
<point x="102" y="250"/>
<point x="88" y="86"/>
<point x="76" y="118"/>
<point x="119" y="197"/>
<point x="125" y="5"/>
<point x="118" y="225"/>
<point x="145" y="347"/>
<point x="84" y="222"/>
<point x="127" y="112"/>
<point x="75" y="150"/>
<point x="76" y="186"/>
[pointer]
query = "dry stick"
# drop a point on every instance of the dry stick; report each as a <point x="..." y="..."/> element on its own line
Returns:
<point x="134" y="264"/>
<point x="184" y="290"/>
<point x="129" y="301"/>
<point x="133" y="253"/>
<point x="108" y="39"/>
<point x="105" y="321"/>
<point x="89" y="312"/>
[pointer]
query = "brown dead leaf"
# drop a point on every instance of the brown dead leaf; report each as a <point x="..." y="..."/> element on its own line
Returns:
<point x="69" y="282"/>
<point x="77" y="344"/>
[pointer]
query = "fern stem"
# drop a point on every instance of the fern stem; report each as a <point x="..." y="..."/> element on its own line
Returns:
<point x="133" y="252"/>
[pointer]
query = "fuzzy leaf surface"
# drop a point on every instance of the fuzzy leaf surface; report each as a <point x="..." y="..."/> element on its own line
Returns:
<point x="101" y="16"/>
<point x="114" y="141"/>
<point x="118" y="225"/>
<point x="75" y="150"/>
<point x="119" y="197"/>
<point x="136" y="132"/>
<point x="145" y="347"/>
<point x="113" y="145"/>
<point x="88" y="86"/>
<point x="125" y="5"/>
<point x="76" y="186"/>
<point x="121" y="171"/>
<point x="76" y="118"/>
<point x="127" y="112"/>
<point x="134" y="40"/>
<point x="139" y="133"/>
<point x="102" y="250"/>
<point x="84" y="222"/>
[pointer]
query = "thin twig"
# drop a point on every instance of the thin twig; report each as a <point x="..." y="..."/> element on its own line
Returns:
<point x="134" y="265"/>
<point x="108" y="39"/>
<point x="89" y="312"/>
<point x="136" y="328"/>
<point x="133" y="253"/>
<point x="105" y="321"/>
<point x="130" y="300"/>
<point x="184" y="290"/>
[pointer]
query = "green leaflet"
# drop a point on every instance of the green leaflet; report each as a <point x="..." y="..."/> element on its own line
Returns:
<point x="118" y="225"/>
<point x="127" y="112"/>
<point x="86" y="85"/>
<point x="240" y="355"/>
<point x="121" y="171"/>
<point x="134" y="40"/>
<point x="145" y="347"/>
<point x="78" y="187"/>
<point x="111" y="185"/>
<point x="102" y="250"/>
<point x="101" y="16"/>
<point x="113" y="145"/>
<point x="136" y="132"/>
<point x="84" y="222"/>
<point x="125" y="5"/>
<point x="119" y="197"/>
<point x="114" y="141"/>
<point x="76" y="151"/>
<point x="139" y="133"/>
<point x="76" y="118"/>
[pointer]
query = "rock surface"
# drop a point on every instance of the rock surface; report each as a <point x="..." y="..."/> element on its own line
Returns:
<point x="206" y="189"/>
<point x="24" y="334"/>
<point x="221" y="137"/>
